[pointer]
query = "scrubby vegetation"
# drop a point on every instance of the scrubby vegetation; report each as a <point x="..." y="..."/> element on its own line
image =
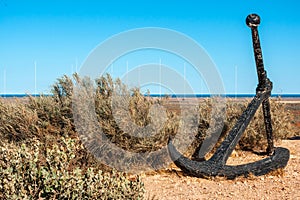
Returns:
<point x="41" y="155"/>
<point x="26" y="174"/>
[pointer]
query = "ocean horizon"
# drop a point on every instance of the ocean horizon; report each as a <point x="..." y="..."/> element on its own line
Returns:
<point x="170" y="95"/>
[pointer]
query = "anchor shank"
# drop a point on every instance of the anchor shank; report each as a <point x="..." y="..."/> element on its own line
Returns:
<point x="261" y="73"/>
<point x="265" y="84"/>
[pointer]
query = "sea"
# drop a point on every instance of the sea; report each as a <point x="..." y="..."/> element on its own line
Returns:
<point x="172" y="95"/>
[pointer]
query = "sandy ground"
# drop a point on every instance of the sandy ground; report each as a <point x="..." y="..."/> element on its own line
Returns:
<point x="173" y="184"/>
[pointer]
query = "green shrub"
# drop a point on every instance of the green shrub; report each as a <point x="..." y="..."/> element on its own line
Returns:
<point x="24" y="174"/>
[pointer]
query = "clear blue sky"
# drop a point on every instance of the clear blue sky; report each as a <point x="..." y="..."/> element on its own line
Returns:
<point x="59" y="34"/>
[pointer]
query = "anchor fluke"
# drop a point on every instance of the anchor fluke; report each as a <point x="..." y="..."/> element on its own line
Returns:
<point x="207" y="169"/>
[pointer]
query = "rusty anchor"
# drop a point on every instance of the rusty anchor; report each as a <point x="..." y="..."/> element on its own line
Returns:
<point x="216" y="165"/>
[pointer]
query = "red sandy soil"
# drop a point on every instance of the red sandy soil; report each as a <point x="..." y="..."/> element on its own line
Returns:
<point x="173" y="184"/>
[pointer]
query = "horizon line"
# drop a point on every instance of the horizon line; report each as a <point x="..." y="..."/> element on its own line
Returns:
<point x="230" y="95"/>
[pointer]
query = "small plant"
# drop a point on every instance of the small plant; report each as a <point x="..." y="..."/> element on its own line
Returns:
<point x="24" y="174"/>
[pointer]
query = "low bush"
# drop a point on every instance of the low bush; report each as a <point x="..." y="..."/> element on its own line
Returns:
<point x="25" y="174"/>
<point x="17" y="123"/>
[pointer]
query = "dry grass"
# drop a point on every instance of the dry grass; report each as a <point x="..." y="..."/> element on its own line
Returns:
<point x="47" y="118"/>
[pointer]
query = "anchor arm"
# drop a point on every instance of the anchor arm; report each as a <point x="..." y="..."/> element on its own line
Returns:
<point x="224" y="151"/>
